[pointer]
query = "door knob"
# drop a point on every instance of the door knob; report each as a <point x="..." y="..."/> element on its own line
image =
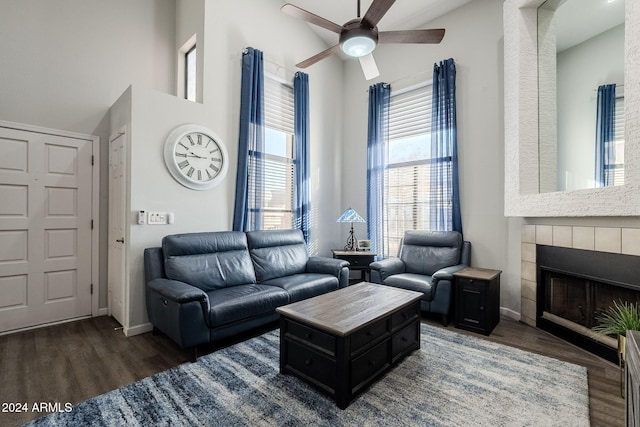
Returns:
<point x="120" y="240"/>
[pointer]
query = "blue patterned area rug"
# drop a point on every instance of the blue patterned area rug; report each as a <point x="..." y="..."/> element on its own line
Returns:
<point x="453" y="380"/>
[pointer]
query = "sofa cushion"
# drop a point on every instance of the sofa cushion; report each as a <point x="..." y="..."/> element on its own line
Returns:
<point x="277" y="253"/>
<point x="425" y="252"/>
<point x="412" y="282"/>
<point x="237" y="303"/>
<point x="305" y="285"/>
<point x="208" y="260"/>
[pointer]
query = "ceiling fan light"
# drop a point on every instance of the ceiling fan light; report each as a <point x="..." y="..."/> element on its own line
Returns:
<point x="358" y="46"/>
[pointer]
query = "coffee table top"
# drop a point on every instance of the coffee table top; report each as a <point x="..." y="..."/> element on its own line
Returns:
<point x="343" y="311"/>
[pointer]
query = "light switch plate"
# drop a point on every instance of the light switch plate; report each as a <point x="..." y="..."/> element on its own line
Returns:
<point x="158" y="218"/>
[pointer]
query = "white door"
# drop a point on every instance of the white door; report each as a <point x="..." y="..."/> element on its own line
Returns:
<point x="117" y="218"/>
<point x="45" y="228"/>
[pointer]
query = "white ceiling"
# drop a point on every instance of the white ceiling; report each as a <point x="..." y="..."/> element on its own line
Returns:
<point x="403" y="15"/>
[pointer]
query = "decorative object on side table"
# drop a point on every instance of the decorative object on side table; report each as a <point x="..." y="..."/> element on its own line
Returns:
<point x="477" y="299"/>
<point x="351" y="216"/>
<point x="616" y="321"/>
<point x="364" y="245"/>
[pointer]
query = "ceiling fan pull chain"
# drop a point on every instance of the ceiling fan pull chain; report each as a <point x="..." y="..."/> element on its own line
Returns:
<point x="358" y="8"/>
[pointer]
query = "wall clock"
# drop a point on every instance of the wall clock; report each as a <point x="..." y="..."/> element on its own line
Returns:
<point x="196" y="157"/>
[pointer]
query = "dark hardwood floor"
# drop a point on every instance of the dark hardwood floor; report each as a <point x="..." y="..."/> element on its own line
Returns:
<point x="75" y="361"/>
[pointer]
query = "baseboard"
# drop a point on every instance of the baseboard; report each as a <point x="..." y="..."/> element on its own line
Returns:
<point x="138" y="329"/>
<point x="103" y="311"/>
<point x="511" y="314"/>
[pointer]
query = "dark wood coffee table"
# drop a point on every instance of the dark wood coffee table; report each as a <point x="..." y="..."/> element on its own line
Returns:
<point x="343" y="341"/>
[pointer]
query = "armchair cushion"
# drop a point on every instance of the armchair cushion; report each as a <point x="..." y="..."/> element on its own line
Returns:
<point x="413" y="282"/>
<point x="425" y="252"/>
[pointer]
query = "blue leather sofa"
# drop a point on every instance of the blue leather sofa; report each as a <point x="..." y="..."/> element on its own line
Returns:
<point x="201" y="287"/>
<point x="426" y="263"/>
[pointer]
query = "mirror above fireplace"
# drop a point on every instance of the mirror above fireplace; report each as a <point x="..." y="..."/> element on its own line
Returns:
<point x="523" y="197"/>
<point x="580" y="48"/>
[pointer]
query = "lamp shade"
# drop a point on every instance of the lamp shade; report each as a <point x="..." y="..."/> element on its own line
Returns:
<point x="350" y="215"/>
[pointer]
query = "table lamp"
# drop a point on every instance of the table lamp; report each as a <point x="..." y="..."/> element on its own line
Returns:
<point x="351" y="216"/>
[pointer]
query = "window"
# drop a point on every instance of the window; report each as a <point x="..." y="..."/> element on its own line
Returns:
<point x="407" y="178"/>
<point x="276" y="164"/>
<point x="190" y="74"/>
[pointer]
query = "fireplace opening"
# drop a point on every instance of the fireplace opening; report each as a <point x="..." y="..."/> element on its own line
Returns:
<point x="576" y="286"/>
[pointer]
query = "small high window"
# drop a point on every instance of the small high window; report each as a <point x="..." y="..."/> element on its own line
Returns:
<point x="190" y="74"/>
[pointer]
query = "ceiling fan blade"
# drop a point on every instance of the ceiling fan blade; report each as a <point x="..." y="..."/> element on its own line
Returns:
<point x="411" y="36"/>
<point x="369" y="67"/>
<point x="376" y="11"/>
<point x="317" y="57"/>
<point x="311" y="18"/>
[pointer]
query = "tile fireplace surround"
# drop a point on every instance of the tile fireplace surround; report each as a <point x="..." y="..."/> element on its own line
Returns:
<point x="602" y="239"/>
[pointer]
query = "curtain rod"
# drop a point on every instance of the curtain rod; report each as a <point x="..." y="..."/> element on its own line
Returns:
<point x="617" y="86"/>
<point x="272" y="62"/>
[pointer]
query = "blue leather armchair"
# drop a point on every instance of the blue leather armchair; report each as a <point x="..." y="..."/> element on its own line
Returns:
<point x="426" y="263"/>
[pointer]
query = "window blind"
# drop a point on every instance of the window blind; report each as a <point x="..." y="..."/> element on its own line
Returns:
<point x="408" y="176"/>
<point x="272" y="172"/>
<point x="410" y="113"/>
<point x="617" y="166"/>
<point x="278" y="105"/>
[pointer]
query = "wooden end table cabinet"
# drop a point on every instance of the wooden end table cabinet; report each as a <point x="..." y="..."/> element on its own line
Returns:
<point x="632" y="378"/>
<point x="358" y="261"/>
<point x="477" y="299"/>
<point x="343" y="341"/>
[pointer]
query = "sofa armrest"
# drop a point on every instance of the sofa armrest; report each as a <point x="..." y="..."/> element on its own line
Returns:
<point x="177" y="291"/>
<point x="325" y="265"/>
<point x="447" y="273"/>
<point x="384" y="268"/>
<point x="179" y="310"/>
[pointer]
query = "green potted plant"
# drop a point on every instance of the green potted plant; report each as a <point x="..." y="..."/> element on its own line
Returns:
<point x="616" y="321"/>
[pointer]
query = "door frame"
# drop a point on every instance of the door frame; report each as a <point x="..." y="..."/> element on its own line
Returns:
<point x="95" y="202"/>
<point x="120" y="133"/>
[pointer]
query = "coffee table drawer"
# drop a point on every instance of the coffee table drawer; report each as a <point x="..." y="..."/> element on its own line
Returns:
<point x="364" y="367"/>
<point x="406" y="338"/>
<point x="312" y="337"/>
<point x="317" y="367"/>
<point x="367" y="334"/>
<point x="404" y="315"/>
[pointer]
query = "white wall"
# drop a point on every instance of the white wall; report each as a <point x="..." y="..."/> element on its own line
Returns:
<point x="474" y="40"/>
<point x="581" y="69"/>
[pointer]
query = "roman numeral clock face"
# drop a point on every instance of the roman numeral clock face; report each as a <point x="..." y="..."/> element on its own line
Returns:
<point x="196" y="157"/>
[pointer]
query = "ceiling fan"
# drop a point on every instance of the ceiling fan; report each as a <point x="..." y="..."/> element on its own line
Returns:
<point x="360" y="36"/>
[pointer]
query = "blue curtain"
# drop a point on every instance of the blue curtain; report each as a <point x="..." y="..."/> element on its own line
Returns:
<point x="445" y="194"/>
<point x="301" y="193"/>
<point x="605" y="127"/>
<point x="377" y="136"/>
<point x="248" y="204"/>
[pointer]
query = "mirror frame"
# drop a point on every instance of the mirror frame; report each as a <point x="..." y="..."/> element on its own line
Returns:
<point x="522" y="177"/>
